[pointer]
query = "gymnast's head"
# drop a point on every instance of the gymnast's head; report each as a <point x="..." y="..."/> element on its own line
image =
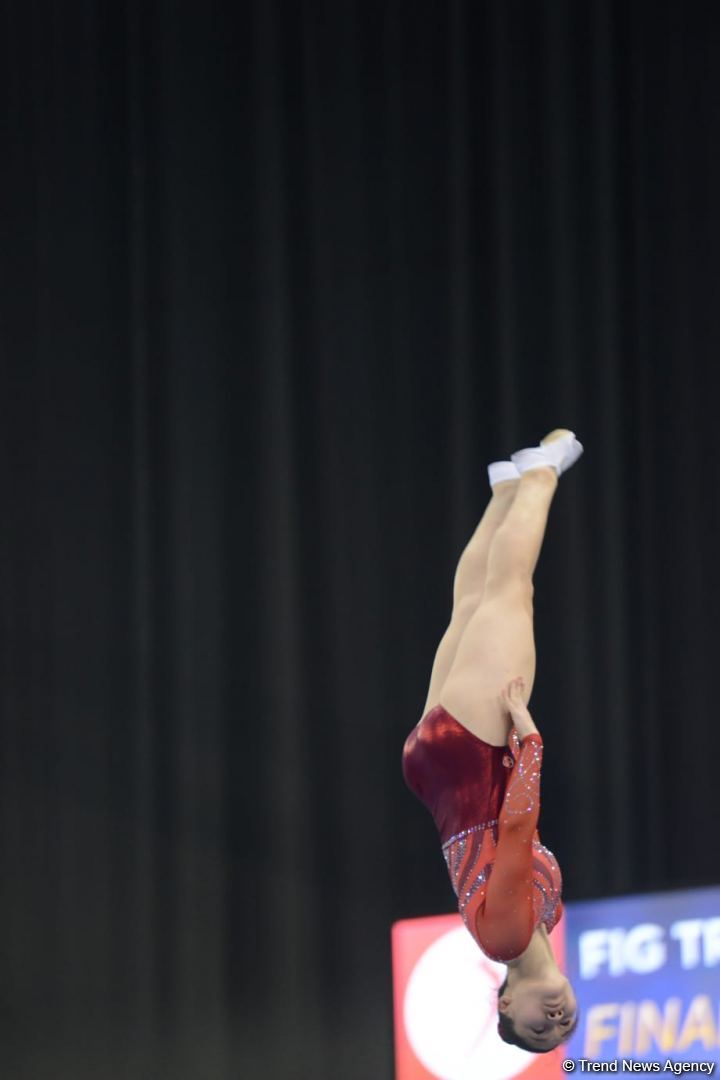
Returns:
<point x="536" y="1014"/>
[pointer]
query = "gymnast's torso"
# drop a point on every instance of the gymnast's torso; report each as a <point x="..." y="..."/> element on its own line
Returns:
<point x="485" y="801"/>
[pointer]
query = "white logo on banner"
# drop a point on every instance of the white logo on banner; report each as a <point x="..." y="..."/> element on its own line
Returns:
<point x="450" y="1013"/>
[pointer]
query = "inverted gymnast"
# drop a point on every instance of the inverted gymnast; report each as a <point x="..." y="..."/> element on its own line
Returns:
<point x="475" y="757"/>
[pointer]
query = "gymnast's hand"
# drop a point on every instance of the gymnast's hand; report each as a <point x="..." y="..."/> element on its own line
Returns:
<point x="514" y="704"/>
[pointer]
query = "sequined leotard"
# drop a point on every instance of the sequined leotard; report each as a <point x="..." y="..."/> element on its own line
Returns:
<point x="485" y="801"/>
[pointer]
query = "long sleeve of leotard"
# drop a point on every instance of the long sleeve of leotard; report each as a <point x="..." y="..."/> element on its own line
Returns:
<point x="504" y="920"/>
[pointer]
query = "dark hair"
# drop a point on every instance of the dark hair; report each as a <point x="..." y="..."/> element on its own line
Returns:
<point x="508" y="1034"/>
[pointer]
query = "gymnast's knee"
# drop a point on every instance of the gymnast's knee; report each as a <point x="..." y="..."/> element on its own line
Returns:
<point x="465" y="605"/>
<point x="512" y="585"/>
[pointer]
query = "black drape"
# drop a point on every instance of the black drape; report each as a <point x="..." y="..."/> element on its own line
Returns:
<point x="277" y="281"/>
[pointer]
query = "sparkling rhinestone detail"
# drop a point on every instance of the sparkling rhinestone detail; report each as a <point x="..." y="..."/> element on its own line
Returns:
<point x="469" y="893"/>
<point x="467" y="832"/>
<point x="521" y="795"/>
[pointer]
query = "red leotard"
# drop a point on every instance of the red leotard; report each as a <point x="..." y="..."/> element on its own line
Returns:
<point x="485" y="801"/>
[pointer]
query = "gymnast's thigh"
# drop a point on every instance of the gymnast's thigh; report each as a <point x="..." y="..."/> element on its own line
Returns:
<point x="497" y="645"/>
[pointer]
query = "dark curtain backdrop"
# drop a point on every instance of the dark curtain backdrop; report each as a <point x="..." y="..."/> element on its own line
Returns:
<point x="277" y="281"/>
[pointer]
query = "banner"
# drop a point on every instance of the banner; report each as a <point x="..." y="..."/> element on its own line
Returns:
<point x="445" y="993"/>
<point x="646" y="973"/>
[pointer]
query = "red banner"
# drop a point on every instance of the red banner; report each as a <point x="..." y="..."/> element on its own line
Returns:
<point x="445" y="1000"/>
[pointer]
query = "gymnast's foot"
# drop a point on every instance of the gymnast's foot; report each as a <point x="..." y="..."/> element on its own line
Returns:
<point x="502" y="472"/>
<point x="556" y="433"/>
<point x="558" y="450"/>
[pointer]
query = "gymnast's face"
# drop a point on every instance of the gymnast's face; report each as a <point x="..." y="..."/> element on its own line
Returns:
<point x="543" y="1012"/>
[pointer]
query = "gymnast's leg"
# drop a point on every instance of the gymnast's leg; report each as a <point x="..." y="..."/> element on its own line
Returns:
<point x="498" y="643"/>
<point x="469" y="585"/>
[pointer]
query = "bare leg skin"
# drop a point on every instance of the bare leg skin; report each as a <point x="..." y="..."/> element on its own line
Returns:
<point x="497" y="643"/>
<point x="469" y="586"/>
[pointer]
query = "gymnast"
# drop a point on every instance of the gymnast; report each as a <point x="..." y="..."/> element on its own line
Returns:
<point x="475" y="757"/>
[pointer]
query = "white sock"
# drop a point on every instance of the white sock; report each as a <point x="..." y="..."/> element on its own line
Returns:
<point x="559" y="455"/>
<point x="500" y="471"/>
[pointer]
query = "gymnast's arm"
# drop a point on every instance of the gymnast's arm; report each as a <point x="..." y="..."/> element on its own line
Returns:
<point x="504" y="921"/>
